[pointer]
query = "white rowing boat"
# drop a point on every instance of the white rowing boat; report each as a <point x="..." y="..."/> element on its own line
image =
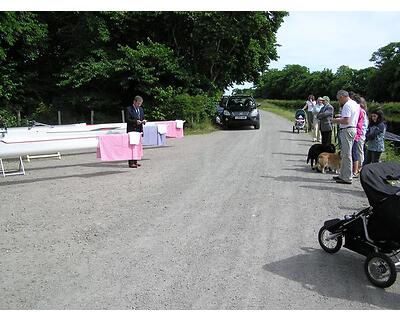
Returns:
<point x="37" y="140"/>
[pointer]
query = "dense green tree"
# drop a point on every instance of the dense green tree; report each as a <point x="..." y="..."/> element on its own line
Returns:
<point x="387" y="76"/>
<point x="76" y="61"/>
<point x="22" y="42"/>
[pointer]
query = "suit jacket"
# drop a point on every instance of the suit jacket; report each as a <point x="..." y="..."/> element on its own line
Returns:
<point x="325" y="116"/>
<point x="131" y="119"/>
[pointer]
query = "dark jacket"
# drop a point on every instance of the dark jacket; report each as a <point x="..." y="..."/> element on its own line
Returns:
<point x="131" y="119"/>
<point x="325" y="116"/>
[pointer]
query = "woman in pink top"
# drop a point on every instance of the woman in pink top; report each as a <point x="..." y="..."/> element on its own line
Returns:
<point x="357" y="138"/>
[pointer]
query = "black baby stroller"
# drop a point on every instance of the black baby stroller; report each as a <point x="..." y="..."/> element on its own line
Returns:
<point x="300" y="122"/>
<point x="375" y="231"/>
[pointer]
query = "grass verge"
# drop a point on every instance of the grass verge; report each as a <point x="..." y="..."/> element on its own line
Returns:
<point x="201" y="128"/>
<point x="391" y="152"/>
<point x="285" y="113"/>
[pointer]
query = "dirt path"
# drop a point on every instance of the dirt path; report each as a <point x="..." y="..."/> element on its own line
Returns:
<point x="227" y="220"/>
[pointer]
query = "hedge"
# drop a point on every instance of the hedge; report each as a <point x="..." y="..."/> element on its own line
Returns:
<point x="391" y="110"/>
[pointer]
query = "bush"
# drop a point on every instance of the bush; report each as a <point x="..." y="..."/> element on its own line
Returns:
<point x="287" y="104"/>
<point x="170" y="105"/>
<point x="391" y="152"/>
<point x="391" y="110"/>
<point x="9" y="119"/>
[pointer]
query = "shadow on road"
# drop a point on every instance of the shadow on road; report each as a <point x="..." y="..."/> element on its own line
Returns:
<point x="338" y="276"/>
<point x="86" y="175"/>
<point x="291" y="160"/>
<point x="343" y="189"/>
<point x="302" y="168"/>
<point x="339" y="190"/>
<point x="294" y="179"/>
<point x="354" y="210"/>
<point x="291" y="154"/>
<point x="300" y="140"/>
<point x="110" y="165"/>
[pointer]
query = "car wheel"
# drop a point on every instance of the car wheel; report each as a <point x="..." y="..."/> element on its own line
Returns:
<point x="257" y="125"/>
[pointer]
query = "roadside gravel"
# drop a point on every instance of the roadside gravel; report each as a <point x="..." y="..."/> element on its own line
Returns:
<point x="227" y="220"/>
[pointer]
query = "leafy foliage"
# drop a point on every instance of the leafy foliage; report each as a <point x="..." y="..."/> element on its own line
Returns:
<point x="82" y="61"/>
<point x="379" y="83"/>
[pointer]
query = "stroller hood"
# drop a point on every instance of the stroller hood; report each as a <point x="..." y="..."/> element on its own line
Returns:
<point x="381" y="180"/>
<point x="300" y="112"/>
<point x="381" y="183"/>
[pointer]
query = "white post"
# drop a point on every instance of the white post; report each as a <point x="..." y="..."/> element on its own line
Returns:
<point x="123" y="115"/>
<point x="91" y="116"/>
<point x="19" y="117"/>
<point x="59" y="116"/>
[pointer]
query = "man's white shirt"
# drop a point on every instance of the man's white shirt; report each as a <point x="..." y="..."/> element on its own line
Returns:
<point x="350" y="109"/>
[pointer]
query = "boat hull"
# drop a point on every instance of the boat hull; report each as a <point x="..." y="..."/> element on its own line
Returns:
<point x="41" y="140"/>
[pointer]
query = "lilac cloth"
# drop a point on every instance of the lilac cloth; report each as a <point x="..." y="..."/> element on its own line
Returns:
<point x="116" y="147"/>
<point x="161" y="138"/>
<point x="151" y="137"/>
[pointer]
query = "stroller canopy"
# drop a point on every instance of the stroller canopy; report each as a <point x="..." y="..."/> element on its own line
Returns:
<point x="381" y="183"/>
<point x="381" y="180"/>
<point x="300" y="112"/>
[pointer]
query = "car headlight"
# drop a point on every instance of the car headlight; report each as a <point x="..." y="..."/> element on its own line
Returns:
<point x="226" y="113"/>
<point x="254" y="113"/>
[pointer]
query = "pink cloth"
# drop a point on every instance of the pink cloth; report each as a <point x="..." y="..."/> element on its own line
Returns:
<point x="359" y="126"/>
<point x="172" y="130"/>
<point x="116" y="147"/>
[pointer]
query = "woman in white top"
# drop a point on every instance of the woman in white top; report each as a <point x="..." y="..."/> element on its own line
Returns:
<point x="317" y="108"/>
<point x="310" y="103"/>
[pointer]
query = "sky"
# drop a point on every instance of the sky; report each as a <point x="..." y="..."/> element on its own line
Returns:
<point x="323" y="39"/>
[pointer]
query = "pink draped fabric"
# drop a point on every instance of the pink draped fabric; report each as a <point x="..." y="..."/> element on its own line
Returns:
<point x="172" y="130"/>
<point x="359" y="126"/>
<point x="116" y="147"/>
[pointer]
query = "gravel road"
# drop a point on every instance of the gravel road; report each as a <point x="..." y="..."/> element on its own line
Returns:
<point x="227" y="220"/>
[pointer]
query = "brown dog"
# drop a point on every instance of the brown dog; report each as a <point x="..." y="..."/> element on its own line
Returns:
<point x="328" y="160"/>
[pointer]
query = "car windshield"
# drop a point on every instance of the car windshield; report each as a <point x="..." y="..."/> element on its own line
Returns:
<point x="240" y="103"/>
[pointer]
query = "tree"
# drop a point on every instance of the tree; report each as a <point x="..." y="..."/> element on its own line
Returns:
<point x="76" y="61"/>
<point x="387" y="76"/>
<point x="22" y="42"/>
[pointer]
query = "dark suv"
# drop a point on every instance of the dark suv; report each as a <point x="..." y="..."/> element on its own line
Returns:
<point x="241" y="111"/>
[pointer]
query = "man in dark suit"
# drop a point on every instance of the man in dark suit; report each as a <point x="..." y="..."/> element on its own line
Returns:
<point x="134" y="122"/>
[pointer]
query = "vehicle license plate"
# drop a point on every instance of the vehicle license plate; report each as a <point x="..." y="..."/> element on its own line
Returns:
<point x="241" y="117"/>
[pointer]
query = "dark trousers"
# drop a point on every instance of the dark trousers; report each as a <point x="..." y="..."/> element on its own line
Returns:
<point x="326" y="137"/>
<point x="131" y="162"/>
<point x="371" y="157"/>
<point x="310" y="119"/>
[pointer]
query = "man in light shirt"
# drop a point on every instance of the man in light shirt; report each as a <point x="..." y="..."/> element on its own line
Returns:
<point x="347" y="131"/>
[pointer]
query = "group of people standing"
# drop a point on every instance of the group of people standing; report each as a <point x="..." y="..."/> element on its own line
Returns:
<point x="361" y="136"/>
<point x="319" y="118"/>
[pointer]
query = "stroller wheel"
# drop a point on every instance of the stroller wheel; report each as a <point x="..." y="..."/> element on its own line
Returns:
<point x="380" y="270"/>
<point x="293" y="129"/>
<point x="298" y="130"/>
<point x="327" y="242"/>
